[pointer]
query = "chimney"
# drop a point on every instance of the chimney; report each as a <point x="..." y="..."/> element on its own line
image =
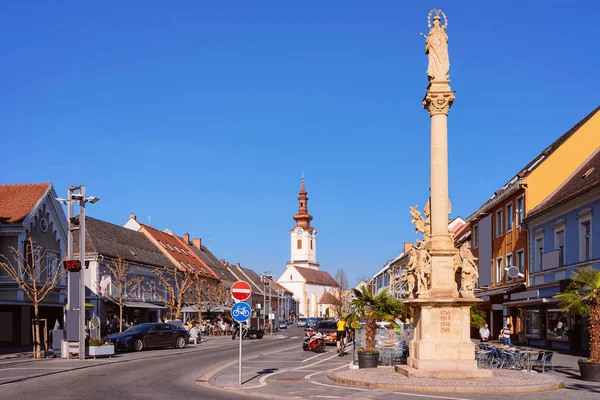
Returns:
<point x="237" y="265"/>
<point x="186" y="238"/>
<point x="407" y="247"/>
<point x="132" y="216"/>
<point x="223" y="261"/>
<point x="198" y="243"/>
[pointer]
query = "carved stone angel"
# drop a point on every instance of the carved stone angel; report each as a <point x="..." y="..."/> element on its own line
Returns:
<point x="421" y="225"/>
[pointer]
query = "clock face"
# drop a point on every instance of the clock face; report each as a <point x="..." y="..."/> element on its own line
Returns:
<point x="299" y="232"/>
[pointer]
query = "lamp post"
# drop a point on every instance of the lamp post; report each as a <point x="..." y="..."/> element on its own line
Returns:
<point x="80" y="275"/>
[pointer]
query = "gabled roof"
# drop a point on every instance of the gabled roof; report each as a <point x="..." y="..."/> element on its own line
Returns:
<point x="214" y="264"/>
<point x="17" y="201"/>
<point x="586" y="177"/>
<point x="316" y="276"/>
<point x="116" y="241"/>
<point x="328" y="298"/>
<point x="177" y="249"/>
<point x="246" y="274"/>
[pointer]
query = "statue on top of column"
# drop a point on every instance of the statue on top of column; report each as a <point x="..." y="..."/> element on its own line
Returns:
<point x="422" y="225"/>
<point x="436" y="47"/>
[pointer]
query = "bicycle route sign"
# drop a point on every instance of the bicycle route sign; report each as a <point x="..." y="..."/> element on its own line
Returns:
<point x="241" y="290"/>
<point x="241" y="311"/>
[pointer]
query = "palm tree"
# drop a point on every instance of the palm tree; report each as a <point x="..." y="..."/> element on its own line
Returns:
<point x="582" y="297"/>
<point x="372" y="308"/>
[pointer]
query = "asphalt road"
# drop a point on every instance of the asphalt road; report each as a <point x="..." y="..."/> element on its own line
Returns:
<point x="160" y="377"/>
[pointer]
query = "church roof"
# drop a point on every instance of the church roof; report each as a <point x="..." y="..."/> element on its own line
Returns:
<point x="316" y="277"/>
<point x="328" y="298"/>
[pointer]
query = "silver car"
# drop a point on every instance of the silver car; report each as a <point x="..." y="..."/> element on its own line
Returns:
<point x="301" y="322"/>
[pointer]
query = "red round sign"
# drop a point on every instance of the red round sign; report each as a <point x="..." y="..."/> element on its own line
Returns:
<point x="241" y="290"/>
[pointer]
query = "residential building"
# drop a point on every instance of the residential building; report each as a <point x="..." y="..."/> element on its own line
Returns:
<point x="105" y="245"/>
<point x="302" y="275"/>
<point x="499" y="238"/>
<point x="30" y="211"/>
<point x="563" y="236"/>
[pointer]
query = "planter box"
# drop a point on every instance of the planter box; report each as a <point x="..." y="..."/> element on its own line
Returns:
<point x="589" y="371"/>
<point x="368" y="360"/>
<point x="101" y="351"/>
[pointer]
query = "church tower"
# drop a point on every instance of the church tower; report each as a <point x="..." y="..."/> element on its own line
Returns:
<point x="303" y="237"/>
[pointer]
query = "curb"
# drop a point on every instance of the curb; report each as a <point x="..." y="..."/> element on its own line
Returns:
<point x="441" y="389"/>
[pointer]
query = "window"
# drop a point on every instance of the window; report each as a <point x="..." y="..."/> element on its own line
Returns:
<point x="509" y="263"/>
<point x="585" y="235"/>
<point x="509" y="217"/>
<point x="311" y="245"/>
<point x="498" y="223"/>
<point x="291" y="277"/>
<point x="559" y="243"/>
<point x="539" y="252"/>
<point x="558" y="325"/>
<point x="520" y="210"/>
<point x="532" y="323"/>
<point x="51" y="265"/>
<point x="475" y="236"/>
<point x="299" y="244"/>
<point x="521" y="261"/>
<point x="499" y="270"/>
<point x="152" y="286"/>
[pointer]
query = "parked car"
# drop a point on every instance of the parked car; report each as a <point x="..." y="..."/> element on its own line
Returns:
<point x="153" y="334"/>
<point x="311" y="323"/>
<point x="329" y="329"/>
<point x="301" y="322"/>
<point x="283" y="324"/>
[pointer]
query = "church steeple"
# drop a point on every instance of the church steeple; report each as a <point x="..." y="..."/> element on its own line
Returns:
<point x="303" y="218"/>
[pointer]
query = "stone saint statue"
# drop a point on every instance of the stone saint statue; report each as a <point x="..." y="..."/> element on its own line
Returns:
<point x="421" y="225"/>
<point x="423" y="270"/>
<point x="469" y="273"/>
<point x="436" y="46"/>
<point x="411" y="272"/>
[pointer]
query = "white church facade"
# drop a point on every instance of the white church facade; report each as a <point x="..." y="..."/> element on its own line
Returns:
<point x="302" y="275"/>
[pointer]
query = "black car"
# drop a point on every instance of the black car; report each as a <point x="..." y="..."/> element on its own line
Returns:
<point x="153" y="334"/>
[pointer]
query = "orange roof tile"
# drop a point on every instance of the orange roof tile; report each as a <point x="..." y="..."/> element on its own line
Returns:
<point x="17" y="201"/>
<point x="179" y="251"/>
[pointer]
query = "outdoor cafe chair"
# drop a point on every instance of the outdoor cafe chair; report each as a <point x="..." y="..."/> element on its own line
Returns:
<point x="544" y="359"/>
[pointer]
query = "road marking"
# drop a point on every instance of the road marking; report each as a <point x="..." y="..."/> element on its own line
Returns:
<point x="318" y="362"/>
<point x="431" y="397"/>
<point x="10" y="369"/>
<point x="295" y="337"/>
<point x="318" y="355"/>
<point x="325" y="397"/>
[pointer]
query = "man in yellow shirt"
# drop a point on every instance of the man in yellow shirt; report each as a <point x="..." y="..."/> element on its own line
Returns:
<point x="341" y="334"/>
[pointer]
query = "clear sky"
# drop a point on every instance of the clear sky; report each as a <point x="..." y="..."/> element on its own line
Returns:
<point x="202" y="115"/>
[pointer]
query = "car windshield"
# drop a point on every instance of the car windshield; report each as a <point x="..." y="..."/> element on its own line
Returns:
<point x="311" y="320"/>
<point x="140" y="328"/>
<point x="326" y="325"/>
<point x="301" y="319"/>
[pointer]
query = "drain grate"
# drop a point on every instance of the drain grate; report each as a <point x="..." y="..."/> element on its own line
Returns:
<point x="289" y="379"/>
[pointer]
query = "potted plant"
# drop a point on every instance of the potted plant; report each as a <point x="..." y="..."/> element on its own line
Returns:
<point x="582" y="297"/>
<point x="98" y="349"/>
<point x="382" y="307"/>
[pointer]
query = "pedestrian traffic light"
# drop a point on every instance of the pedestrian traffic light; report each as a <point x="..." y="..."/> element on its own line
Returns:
<point x="72" y="265"/>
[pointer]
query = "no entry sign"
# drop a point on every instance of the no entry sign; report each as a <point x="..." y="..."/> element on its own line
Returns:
<point x="241" y="290"/>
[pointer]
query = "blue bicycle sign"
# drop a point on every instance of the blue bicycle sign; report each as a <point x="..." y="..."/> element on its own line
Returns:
<point x="240" y="312"/>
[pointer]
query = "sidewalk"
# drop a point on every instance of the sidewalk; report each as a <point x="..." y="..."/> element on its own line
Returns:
<point x="15" y="367"/>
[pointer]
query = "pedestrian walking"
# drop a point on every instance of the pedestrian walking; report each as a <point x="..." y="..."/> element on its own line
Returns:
<point x="341" y="335"/>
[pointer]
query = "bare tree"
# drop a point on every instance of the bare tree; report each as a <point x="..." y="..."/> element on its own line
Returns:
<point x="175" y="285"/>
<point x="206" y="293"/>
<point x="120" y="285"/>
<point x="35" y="276"/>
<point x="341" y="292"/>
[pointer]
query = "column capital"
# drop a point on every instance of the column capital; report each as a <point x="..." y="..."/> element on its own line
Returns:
<point x="438" y="102"/>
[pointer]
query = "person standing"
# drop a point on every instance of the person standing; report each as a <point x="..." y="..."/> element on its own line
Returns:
<point x="341" y="334"/>
<point x="484" y="333"/>
<point x="505" y="334"/>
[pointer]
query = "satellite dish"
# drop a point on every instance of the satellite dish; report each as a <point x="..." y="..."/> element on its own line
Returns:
<point x="513" y="272"/>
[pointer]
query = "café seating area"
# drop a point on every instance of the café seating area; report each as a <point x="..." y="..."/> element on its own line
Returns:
<point x="497" y="355"/>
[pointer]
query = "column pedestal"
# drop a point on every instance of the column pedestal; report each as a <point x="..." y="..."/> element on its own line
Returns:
<point x="442" y="347"/>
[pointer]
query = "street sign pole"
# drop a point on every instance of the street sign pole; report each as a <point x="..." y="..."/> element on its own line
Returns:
<point x="240" y="312"/>
<point x="240" y="363"/>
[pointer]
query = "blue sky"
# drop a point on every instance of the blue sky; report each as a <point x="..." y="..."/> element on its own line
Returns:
<point x="202" y="115"/>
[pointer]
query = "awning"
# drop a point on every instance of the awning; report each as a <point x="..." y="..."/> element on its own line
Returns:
<point x="217" y="309"/>
<point x="139" y="304"/>
<point x="500" y="290"/>
<point x="27" y="303"/>
<point x="87" y="305"/>
<point x="531" y="302"/>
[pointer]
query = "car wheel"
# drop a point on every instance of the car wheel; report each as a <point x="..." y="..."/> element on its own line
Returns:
<point x="180" y="342"/>
<point x="138" y="345"/>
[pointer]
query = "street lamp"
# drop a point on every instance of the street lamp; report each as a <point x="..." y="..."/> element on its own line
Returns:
<point x="73" y="282"/>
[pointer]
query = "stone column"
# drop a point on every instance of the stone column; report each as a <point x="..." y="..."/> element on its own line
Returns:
<point x="437" y="102"/>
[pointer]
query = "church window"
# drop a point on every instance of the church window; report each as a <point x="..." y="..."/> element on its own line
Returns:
<point x="299" y="244"/>
<point x="311" y="246"/>
<point x="291" y="277"/>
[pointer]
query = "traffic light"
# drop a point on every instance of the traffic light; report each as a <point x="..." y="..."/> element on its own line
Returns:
<point x="72" y="265"/>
